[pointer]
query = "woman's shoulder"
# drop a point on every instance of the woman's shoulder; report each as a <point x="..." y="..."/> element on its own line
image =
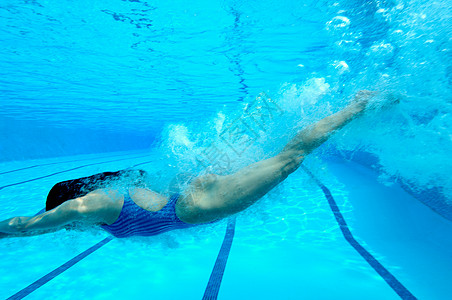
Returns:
<point x="105" y="204"/>
<point x="103" y="199"/>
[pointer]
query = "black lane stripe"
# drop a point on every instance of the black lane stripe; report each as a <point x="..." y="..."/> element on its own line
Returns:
<point x="390" y="279"/>
<point x="213" y="286"/>
<point x="56" y="173"/>
<point x="61" y="162"/>
<point x="143" y="163"/>
<point x="46" y="278"/>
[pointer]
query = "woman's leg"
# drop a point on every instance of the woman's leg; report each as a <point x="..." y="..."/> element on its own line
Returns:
<point x="313" y="136"/>
<point x="226" y="195"/>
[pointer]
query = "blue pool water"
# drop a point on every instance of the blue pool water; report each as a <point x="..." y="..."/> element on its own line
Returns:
<point x="92" y="87"/>
<point x="288" y="246"/>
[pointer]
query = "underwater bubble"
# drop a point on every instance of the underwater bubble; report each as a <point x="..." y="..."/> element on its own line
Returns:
<point x="382" y="15"/>
<point x="381" y="50"/>
<point x="338" y="23"/>
<point x="348" y="45"/>
<point x="341" y="67"/>
<point x="397" y="34"/>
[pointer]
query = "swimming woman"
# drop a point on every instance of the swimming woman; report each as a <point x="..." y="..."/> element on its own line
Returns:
<point x="135" y="210"/>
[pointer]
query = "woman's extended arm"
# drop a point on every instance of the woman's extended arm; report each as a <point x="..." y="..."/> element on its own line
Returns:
<point x="71" y="211"/>
<point x="49" y="221"/>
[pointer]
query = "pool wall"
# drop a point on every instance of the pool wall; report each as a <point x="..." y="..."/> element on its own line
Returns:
<point x="27" y="139"/>
<point x="433" y="197"/>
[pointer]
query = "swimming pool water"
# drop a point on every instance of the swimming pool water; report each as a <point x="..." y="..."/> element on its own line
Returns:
<point x="116" y="74"/>
<point x="88" y="86"/>
<point x="288" y="246"/>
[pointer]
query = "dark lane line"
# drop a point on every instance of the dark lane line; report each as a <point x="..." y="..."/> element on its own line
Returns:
<point x="64" y="171"/>
<point x="61" y="162"/>
<point x="390" y="279"/>
<point x="213" y="286"/>
<point x="46" y="278"/>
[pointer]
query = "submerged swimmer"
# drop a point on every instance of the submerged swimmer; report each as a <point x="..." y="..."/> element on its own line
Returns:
<point x="133" y="210"/>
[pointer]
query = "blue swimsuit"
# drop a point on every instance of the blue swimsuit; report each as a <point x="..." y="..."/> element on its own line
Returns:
<point x="134" y="220"/>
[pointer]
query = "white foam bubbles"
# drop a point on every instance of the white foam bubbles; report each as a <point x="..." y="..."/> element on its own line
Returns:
<point x="296" y="97"/>
<point x="178" y="136"/>
<point x="219" y="121"/>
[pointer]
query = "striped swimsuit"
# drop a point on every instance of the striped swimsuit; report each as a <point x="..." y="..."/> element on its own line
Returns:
<point x="136" y="221"/>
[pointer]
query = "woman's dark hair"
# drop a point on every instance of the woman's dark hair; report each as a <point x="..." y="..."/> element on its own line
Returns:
<point x="71" y="189"/>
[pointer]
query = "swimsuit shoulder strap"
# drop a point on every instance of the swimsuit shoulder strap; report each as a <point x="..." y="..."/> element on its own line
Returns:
<point x="127" y="199"/>
<point x="173" y="198"/>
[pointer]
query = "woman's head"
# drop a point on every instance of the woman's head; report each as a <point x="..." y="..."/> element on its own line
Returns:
<point x="75" y="188"/>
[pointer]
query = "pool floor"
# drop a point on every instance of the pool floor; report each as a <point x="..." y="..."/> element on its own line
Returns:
<point x="407" y="238"/>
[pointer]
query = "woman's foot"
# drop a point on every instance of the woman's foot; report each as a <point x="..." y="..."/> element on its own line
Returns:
<point x="362" y="98"/>
<point x="375" y="100"/>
